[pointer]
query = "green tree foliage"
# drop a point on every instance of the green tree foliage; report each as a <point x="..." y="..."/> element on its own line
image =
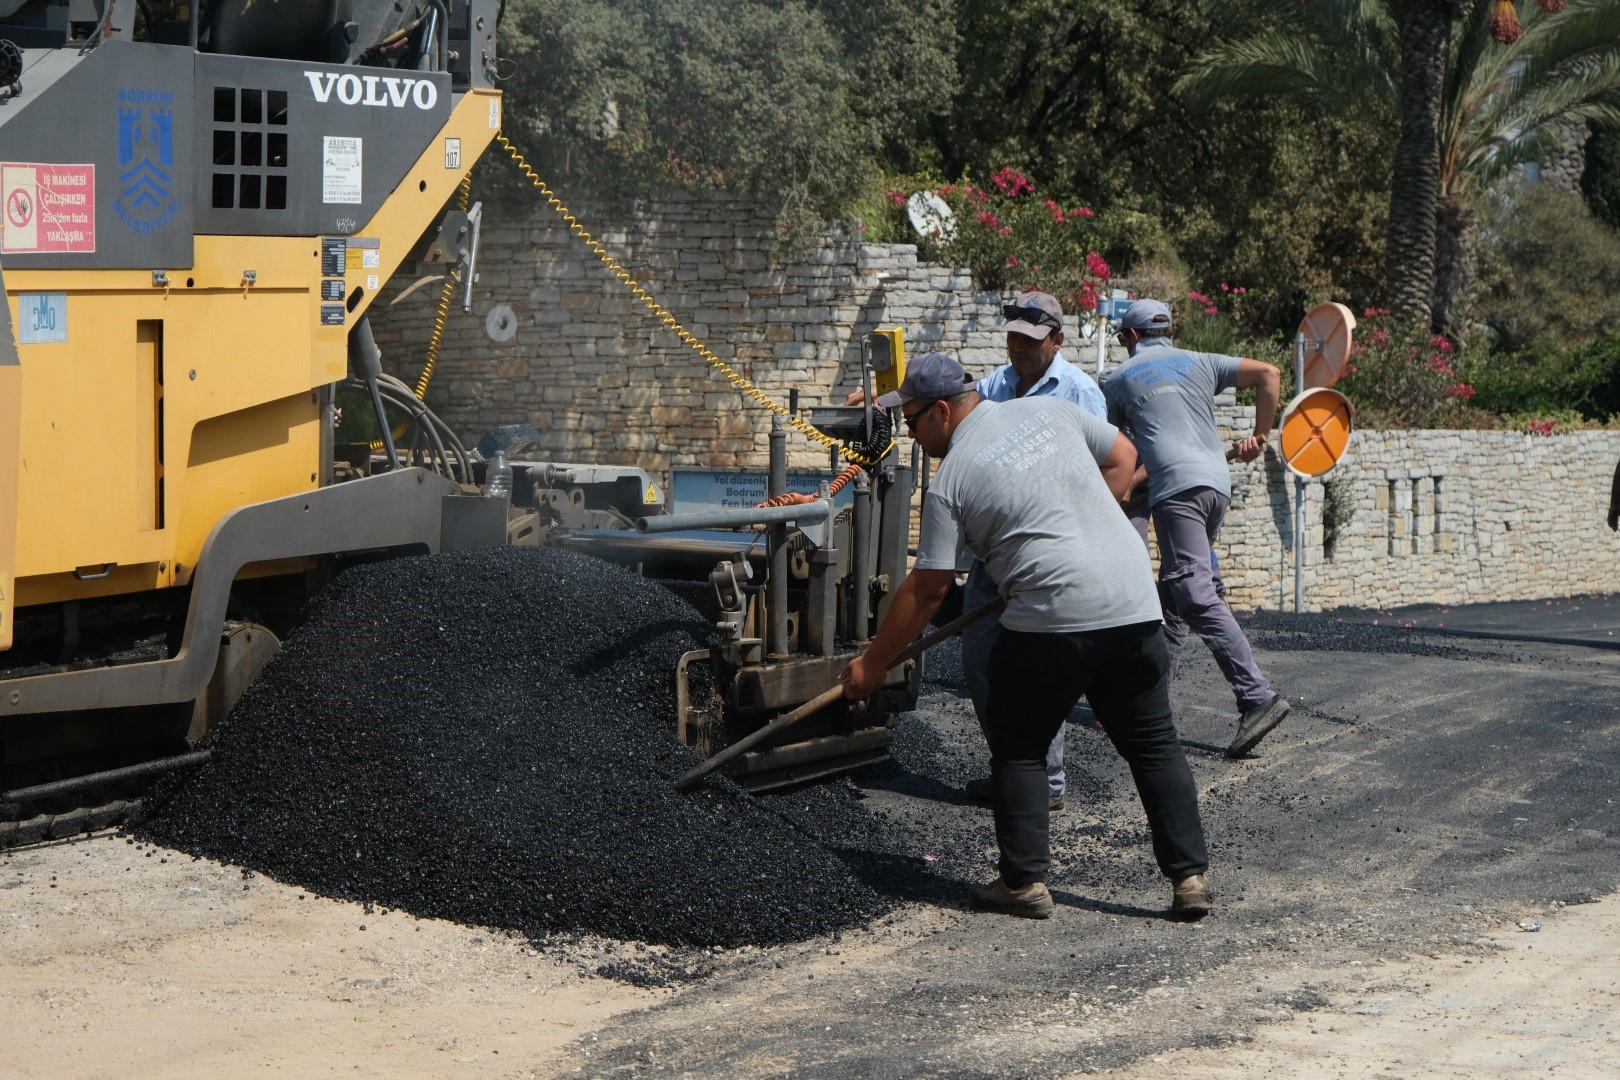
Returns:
<point x="795" y="97"/>
<point x="1600" y="181"/>
<point x="1500" y="106"/>
<point x="1276" y="195"/>
<point x="1550" y="272"/>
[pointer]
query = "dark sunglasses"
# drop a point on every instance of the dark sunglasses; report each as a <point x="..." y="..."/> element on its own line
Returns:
<point x="912" y="419"/>
<point x="1014" y="313"/>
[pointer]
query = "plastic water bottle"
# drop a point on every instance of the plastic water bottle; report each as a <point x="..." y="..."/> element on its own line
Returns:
<point x="498" y="478"/>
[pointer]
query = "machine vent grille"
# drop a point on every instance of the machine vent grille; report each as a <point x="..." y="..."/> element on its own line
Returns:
<point x="250" y="149"/>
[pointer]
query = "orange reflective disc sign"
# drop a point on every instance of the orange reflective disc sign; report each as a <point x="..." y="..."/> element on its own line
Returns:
<point x="1316" y="431"/>
<point x="1328" y="328"/>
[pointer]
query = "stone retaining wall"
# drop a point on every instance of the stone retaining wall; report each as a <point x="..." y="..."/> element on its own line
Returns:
<point x="1450" y="517"/>
<point x="1425" y="516"/>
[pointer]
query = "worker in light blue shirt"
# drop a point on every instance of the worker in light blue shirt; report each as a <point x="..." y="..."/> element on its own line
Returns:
<point x="1035" y="367"/>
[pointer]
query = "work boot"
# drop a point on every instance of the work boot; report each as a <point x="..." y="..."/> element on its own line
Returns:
<point x="1257" y="723"/>
<point x="1191" y="898"/>
<point x="1033" y="901"/>
<point x="979" y="790"/>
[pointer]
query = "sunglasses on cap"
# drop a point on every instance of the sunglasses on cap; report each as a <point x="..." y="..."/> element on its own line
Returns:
<point x="1038" y="316"/>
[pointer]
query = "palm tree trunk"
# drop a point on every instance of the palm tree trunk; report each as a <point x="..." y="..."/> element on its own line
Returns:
<point x="1415" y="180"/>
<point x="1456" y="245"/>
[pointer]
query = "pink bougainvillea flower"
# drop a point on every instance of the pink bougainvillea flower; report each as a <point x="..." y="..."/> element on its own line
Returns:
<point x="1198" y="297"/>
<point x="1082" y="211"/>
<point x="1012" y="260"/>
<point x="988" y="220"/>
<point x="1006" y="230"/>
<point x="1098" y="266"/>
<point x="1011" y="182"/>
<point x="1212" y="310"/>
<point x="896" y="198"/>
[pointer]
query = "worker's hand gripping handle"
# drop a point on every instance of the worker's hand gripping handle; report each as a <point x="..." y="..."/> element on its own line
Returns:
<point x="834" y="693"/>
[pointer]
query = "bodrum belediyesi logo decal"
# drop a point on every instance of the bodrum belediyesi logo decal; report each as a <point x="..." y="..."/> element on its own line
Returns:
<point x="146" y="200"/>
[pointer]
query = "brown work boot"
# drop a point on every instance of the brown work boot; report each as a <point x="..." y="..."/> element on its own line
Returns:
<point x="1030" y="902"/>
<point x="1191" y="898"/>
<point x="1257" y="723"/>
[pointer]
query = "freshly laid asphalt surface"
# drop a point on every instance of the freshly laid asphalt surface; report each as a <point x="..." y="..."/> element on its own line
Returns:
<point x="1429" y="787"/>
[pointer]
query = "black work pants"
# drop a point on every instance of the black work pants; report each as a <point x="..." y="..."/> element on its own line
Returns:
<point x="1123" y="671"/>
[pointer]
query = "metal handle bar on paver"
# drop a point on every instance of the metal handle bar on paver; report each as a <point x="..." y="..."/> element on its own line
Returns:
<point x="827" y="697"/>
<point x="731" y="517"/>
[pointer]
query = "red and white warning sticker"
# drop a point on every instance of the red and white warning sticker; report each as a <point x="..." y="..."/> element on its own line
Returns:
<point x="47" y="208"/>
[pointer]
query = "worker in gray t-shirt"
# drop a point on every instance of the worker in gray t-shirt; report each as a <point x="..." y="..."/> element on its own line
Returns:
<point x="1032" y="486"/>
<point x="1164" y="396"/>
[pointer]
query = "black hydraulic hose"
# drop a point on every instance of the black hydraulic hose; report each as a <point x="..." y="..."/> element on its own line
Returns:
<point x="436" y="429"/>
<point x="450" y="438"/>
<point x="441" y="32"/>
<point x="436" y="447"/>
<point x="382" y="422"/>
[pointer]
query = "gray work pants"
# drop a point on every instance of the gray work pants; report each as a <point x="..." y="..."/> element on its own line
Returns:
<point x="977" y="641"/>
<point x="1186" y="525"/>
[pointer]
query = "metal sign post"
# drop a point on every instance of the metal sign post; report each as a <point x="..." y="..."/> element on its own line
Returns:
<point x="1299" y="489"/>
<point x="1316" y="424"/>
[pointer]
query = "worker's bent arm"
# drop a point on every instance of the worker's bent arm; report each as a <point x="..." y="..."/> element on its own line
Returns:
<point x="915" y="602"/>
<point x="1614" y="501"/>
<point x="1119" y="468"/>
<point x="1263" y="379"/>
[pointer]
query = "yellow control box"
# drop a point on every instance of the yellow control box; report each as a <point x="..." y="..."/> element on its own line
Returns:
<point x="886" y="352"/>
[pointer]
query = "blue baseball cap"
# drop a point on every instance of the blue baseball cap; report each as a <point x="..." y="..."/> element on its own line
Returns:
<point x="931" y="375"/>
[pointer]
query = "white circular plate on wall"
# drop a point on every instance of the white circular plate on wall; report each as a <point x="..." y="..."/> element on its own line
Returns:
<point x="501" y="323"/>
<point x="931" y="217"/>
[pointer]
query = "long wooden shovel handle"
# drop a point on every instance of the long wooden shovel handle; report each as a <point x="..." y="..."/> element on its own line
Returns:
<point x="832" y="694"/>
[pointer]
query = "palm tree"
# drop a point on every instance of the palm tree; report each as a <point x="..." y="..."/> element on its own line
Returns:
<point x="1470" y="109"/>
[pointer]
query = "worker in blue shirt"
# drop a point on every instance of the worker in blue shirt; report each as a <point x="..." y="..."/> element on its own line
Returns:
<point x="1035" y="367"/>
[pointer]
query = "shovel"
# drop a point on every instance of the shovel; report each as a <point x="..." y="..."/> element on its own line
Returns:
<point x="820" y="701"/>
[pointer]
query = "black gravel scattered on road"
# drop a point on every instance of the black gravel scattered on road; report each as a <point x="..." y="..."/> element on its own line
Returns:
<point x="488" y="737"/>
<point x="1281" y="632"/>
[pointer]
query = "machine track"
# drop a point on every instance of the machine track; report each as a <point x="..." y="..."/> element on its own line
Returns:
<point x="83" y="804"/>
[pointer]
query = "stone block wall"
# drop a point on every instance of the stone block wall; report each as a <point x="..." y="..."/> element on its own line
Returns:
<point x="607" y="382"/>
<point x="1451" y="517"/>
<point x="1418" y="516"/>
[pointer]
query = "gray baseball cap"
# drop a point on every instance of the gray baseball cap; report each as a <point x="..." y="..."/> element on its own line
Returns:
<point x="931" y="375"/>
<point x="1034" y="314"/>
<point x="1146" y="315"/>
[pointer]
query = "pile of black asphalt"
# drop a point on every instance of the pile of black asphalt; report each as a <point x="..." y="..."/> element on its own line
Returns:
<point x="488" y="737"/>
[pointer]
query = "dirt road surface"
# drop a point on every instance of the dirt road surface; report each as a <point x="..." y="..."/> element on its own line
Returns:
<point x="1377" y="864"/>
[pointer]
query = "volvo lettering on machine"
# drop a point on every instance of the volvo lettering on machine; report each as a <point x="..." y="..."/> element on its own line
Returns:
<point x="390" y="91"/>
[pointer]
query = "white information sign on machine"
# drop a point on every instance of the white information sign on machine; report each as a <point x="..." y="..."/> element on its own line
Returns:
<point x="341" y="169"/>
